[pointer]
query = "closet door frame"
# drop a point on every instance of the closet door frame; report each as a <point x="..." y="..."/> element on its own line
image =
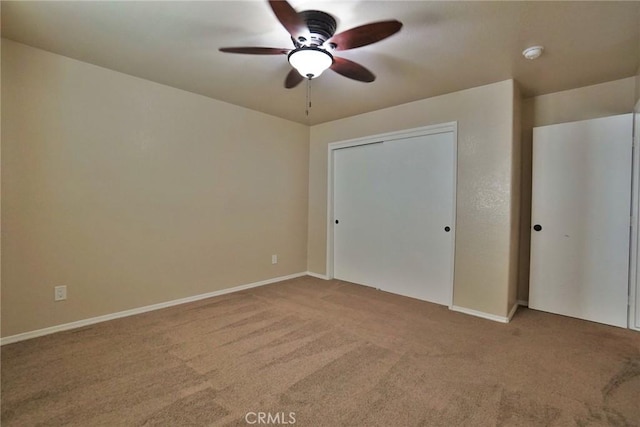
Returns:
<point x="375" y="139"/>
<point x="634" y="265"/>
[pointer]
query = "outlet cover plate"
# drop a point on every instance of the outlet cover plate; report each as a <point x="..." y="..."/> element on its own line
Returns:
<point x="60" y="293"/>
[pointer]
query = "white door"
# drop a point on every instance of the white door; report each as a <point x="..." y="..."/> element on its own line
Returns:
<point x="394" y="213"/>
<point x="581" y="200"/>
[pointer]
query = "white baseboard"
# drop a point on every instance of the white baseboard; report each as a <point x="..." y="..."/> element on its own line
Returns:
<point x="512" y="311"/>
<point x="523" y="303"/>
<point x="318" y="276"/>
<point x="85" y="322"/>
<point x="501" y="319"/>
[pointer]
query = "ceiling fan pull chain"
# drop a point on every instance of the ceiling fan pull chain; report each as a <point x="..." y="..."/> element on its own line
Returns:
<point x="308" y="106"/>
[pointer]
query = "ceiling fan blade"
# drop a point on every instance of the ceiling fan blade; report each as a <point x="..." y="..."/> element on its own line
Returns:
<point x="289" y="19"/>
<point x="352" y="70"/>
<point x="293" y="79"/>
<point x="365" y="34"/>
<point x="255" y="50"/>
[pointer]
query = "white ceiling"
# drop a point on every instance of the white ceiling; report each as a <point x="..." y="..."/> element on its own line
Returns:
<point x="443" y="47"/>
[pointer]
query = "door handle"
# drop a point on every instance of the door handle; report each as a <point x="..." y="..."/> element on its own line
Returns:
<point x="537" y="227"/>
<point x="447" y="229"/>
<point x="337" y="222"/>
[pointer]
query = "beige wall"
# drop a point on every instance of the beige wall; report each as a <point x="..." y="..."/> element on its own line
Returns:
<point x="590" y="102"/>
<point x="638" y="90"/>
<point x="484" y="188"/>
<point x="133" y="193"/>
<point x="601" y="100"/>
<point x="516" y="198"/>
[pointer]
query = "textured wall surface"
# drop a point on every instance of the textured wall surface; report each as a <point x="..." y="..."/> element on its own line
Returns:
<point x="133" y="193"/>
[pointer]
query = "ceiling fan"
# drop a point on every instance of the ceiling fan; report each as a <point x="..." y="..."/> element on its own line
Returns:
<point x="312" y="33"/>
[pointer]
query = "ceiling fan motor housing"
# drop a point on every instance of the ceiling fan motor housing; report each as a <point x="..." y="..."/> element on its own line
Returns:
<point x="322" y="27"/>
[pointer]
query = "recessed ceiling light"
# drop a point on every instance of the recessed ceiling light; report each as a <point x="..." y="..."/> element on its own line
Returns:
<point x="532" y="52"/>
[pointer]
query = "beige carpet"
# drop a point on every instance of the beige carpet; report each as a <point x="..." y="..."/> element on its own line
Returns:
<point x="326" y="354"/>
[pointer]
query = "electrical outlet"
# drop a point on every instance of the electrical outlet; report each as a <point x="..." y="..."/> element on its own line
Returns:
<point x="60" y="293"/>
<point x="274" y="259"/>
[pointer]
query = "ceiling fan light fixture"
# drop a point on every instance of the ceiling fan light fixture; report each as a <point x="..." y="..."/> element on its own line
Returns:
<point x="310" y="61"/>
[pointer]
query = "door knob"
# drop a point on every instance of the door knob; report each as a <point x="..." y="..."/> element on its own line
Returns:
<point x="337" y="222"/>
<point x="537" y="227"/>
<point x="447" y="229"/>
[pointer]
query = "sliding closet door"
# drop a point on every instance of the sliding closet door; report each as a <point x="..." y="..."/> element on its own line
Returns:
<point x="394" y="214"/>
<point x="581" y="215"/>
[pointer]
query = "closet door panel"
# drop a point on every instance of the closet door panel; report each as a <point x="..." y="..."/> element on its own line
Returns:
<point x="394" y="202"/>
